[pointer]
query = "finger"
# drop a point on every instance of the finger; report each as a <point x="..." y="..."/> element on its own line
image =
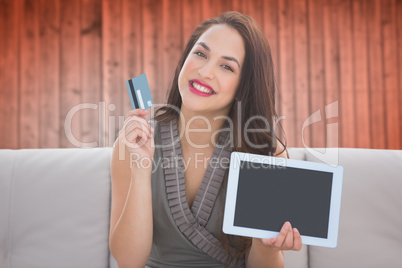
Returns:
<point x="138" y="112"/>
<point x="297" y="244"/>
<point x="288" y="244"/>
<point x="143" y="140"/>
<point x="134" y="135"/>
<point x="150" y="143"/>
<point x="135" y="118"/>
<point x="133" y="132"/>
<point x="282" y="234"/>
<point x="136" y="139"/>
<point x="130" y="118"/>
<point x="136" y="121"/>
<point x="268" y="241"/>
<point x="137" y="124"/>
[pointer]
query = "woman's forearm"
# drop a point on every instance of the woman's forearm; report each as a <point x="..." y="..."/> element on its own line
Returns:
<point x="263" y="256"/>
<point x="131" y="239"/>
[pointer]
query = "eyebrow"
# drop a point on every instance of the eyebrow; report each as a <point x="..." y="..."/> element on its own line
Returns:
<point x="223" y="57"/>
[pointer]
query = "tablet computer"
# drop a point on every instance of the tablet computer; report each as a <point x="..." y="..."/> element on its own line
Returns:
<point x="264" y="192"/>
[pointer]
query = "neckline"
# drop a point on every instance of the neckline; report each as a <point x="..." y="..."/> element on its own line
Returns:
<point x="202" y="205"/>
<point x="192" y="222"/>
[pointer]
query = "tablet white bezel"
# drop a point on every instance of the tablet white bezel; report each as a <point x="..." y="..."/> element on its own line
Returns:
<point x="231" y="196"/>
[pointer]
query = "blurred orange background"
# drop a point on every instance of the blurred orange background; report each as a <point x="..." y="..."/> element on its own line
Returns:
<point x="65" y="61"/>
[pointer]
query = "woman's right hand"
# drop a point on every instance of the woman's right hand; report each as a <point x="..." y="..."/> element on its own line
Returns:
<point x="136" y="136"/>
<point x="131" y="226"/>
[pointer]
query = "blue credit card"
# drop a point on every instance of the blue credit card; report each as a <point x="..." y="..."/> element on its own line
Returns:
<point x="140" y="94"/>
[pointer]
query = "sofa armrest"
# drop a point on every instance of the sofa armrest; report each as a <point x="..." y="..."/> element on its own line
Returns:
<point x="56" y="204"/>
<point x="371" y="219"/>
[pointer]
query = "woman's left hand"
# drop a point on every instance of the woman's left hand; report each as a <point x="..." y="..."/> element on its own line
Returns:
<point x="287" y="239"/>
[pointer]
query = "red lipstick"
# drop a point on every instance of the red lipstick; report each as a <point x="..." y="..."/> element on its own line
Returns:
<point x="195" y="91"/>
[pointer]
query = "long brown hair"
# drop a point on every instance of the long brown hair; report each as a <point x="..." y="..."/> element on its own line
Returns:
<point x="255" y="96"/>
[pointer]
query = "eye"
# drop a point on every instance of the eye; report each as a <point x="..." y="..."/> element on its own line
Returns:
<point x="227" y="67"/>
<point x="199" y="53"/>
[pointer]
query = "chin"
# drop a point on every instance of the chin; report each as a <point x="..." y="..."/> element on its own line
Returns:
<point x="193" y="106"/>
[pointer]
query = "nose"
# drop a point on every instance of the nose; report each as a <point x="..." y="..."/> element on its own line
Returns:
<point x="207" y="70"/>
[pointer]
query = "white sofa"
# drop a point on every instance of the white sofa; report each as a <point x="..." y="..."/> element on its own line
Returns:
<point x="55" y="205"/>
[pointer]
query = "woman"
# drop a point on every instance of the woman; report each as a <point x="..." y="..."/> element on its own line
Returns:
<point x="167" y="196"/>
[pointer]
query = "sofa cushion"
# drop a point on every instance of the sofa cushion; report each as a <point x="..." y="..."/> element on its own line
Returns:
<point x="297" y="153"/>
<point x="6" y="171"/>
<point x="370" y="222"/>
<point x="56" y="203"/>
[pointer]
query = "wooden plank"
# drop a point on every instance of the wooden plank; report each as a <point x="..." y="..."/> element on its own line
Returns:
<point x="9" y="91"/>
<point x="301" y="82"/>
<point x="222" y="6"/>
<point x="271" y="31"/>
<point x="270" y="27"/>
<point x="152" y="14"/>
<point x="237" y="5"/>
<point x="91" y="73"/>
<point x="171" y="45"/>
<point x="49" y="64"/>
<point x="332" y="72"/>
<point x="208" y="9"/>
<point x="377" y="93"/>
<point x="255" y="9"/>
<point x="399" y="50"/>
<point x="388" y="19"/>
<point x="245" y="7"/>
<point x="70" y="86"/>
<point x="316" y="72"/>
<point x="213" y="8"/>
<point x="361" y="73"/>
<point x="113" y="84"/>
<point x="347" y="120"/>
<point x="29" y="79"/>
<point x="190" y="19"/>
<point x="287" y="71"/>
<point x="132" y="45"/>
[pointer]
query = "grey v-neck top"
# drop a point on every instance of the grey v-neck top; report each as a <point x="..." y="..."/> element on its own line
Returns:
<point x="184" y="237"/>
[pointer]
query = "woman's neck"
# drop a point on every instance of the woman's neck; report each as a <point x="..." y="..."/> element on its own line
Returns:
<point x="199" y="130"/>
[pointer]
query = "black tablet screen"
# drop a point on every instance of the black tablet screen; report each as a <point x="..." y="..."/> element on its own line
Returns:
<point x="269" y="195"/>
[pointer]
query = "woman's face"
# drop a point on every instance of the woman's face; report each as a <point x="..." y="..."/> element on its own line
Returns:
<point x="212" y="70"/>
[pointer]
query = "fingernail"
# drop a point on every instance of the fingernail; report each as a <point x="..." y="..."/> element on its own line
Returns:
<point x="272" y="240"/>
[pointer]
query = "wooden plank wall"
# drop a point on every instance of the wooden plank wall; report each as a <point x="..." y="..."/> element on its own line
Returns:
<point x="63" y="66"/>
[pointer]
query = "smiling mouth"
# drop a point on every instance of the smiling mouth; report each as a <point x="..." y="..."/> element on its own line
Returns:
<point x="201" y="88"/>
